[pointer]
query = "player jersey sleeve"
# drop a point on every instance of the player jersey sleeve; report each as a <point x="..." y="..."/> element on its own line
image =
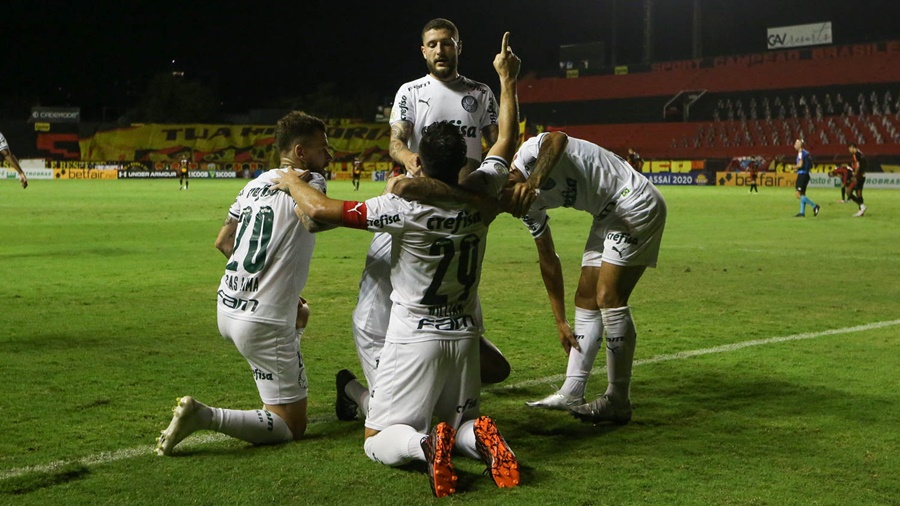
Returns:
<point x="527" y="155"/>
<point x="318" y="182"/>
<point x="235" y="210"/>
<point x="3" y="143"/>
<point x="404" y="108"/>
<point x="536" y="220"/>
<point x="384" y="213"/>
<point x="496" y="173"/>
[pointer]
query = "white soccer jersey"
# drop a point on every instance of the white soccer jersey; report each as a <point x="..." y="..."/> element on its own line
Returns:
<point x="3" y="143"/>
<point x="435" y="268"/>
<point x="587" y="177"/>
<point x="268" y="268"/>
<point x="466" y="103"/>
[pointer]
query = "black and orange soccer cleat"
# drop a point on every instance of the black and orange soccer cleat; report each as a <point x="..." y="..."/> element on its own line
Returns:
<point x="501" y="461"/>
<point x="437" y="447"/>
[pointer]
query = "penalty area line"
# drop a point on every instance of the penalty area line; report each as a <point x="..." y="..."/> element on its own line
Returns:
<point x="202" y="439"/>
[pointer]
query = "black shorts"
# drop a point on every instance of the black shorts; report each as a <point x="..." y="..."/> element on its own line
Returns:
<point x="184" y="174"/>
<point x="860" y="182"/>
<point x="802" y="183"/>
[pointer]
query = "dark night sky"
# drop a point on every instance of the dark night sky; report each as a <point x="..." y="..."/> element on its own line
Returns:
<point x="89" y="54"/>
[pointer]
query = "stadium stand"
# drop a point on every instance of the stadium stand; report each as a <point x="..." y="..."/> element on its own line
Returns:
<point x="747" y="105"/>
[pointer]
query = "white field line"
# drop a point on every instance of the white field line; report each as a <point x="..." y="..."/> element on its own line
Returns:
<point x="106" y="457"/>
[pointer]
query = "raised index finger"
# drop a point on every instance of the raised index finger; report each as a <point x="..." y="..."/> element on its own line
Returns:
<point x="505" y="43"/>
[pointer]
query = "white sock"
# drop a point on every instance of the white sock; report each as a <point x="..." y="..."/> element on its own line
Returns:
<point x="465" y="440"/>
<point x="396" y="445"/>
<point x="257" y="426"/>
<point x="589" y="325"/>
<point x="621" y="340"/>
<point x="359" y="393"/>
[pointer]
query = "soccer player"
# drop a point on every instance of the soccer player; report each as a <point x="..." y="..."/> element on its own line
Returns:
<point x="752" y="171"/>
<point x="268" y="252"/>
<point x="8" y="155"/>
<point x="183" y="169"/>
<point x="555" y="170"/>
<point x="803" y="166"/>
<point x="430" y="361"/>
<point x="845" y="172"/>
<point x="442" y="95"/>
<point x="356" y="174"/>
<point x="860" y="165"/>
<point x="635" y="160"/>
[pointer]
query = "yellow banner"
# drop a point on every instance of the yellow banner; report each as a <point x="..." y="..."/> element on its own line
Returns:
<point x="890" y="168"/>
<point x="85" y="174"/>
<point x="225" y="143"/>
<point x="668" y="166"/>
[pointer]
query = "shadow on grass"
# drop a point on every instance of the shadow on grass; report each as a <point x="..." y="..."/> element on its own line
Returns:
<point x="714" y="406"/>
<point x="29" y="482"/>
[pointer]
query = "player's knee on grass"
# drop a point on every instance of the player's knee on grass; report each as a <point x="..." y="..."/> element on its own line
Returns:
<point x="294" y="415"/>
<point x="494" y="366"/>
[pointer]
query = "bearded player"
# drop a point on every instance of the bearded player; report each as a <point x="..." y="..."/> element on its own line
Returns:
<point x="442" y="95"/>
<point x="268" y="252"/>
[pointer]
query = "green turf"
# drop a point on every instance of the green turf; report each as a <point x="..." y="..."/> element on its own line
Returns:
<point x="109" y="315"/>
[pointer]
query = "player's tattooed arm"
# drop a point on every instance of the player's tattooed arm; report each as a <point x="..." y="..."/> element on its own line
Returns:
<point x="432" y="191"/>
<point x="315" y="210"/>
<point x="553" y="147"/>
<point x="401" y="131"/>
<point x="310" y="224"/>
<point x="225" y="239"/>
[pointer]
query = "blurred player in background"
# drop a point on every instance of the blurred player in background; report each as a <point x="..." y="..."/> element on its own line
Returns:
<point x="269" y="251"/>
<point x="183" y="172"/>
<point x="752" y="175"/>
<point x="845" y="172"/>
<point x="554" y="170"/>
<point x="860" y="166"/>
<point x="356" y="174"/>
<point x="8" y="155"/>
<point x="803" y="166"/>
<point x="430" y="362"/>
<point x="442" y="95"/>
<point x="635" y="160"/>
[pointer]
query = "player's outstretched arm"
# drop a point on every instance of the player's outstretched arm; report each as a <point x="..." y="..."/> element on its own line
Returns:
<point x="316" y="211"/>
<point x="551" y="273"/>
<point x="507" y="65"/>
<point x="553" y="145"/>
<point x="11" y="158"/>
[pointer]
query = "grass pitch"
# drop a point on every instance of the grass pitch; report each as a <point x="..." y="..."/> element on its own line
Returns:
<point x="109" y="315"/>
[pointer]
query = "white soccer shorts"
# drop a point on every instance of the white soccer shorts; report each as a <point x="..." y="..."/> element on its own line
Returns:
<point x="273" y="352"/>
<point x="631" y="235"/>
<point x="418" y="380"/>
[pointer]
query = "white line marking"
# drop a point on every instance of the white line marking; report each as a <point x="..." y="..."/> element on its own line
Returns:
<point x="202" y="439"/>
<point x="707" y="351"/>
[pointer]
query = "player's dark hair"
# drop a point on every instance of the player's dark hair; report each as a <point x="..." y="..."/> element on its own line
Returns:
<point x="295" y="127"/>
<point x="441" y="24"/>
<point x="443" y="151"/>
<point x="852" y="145"/>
